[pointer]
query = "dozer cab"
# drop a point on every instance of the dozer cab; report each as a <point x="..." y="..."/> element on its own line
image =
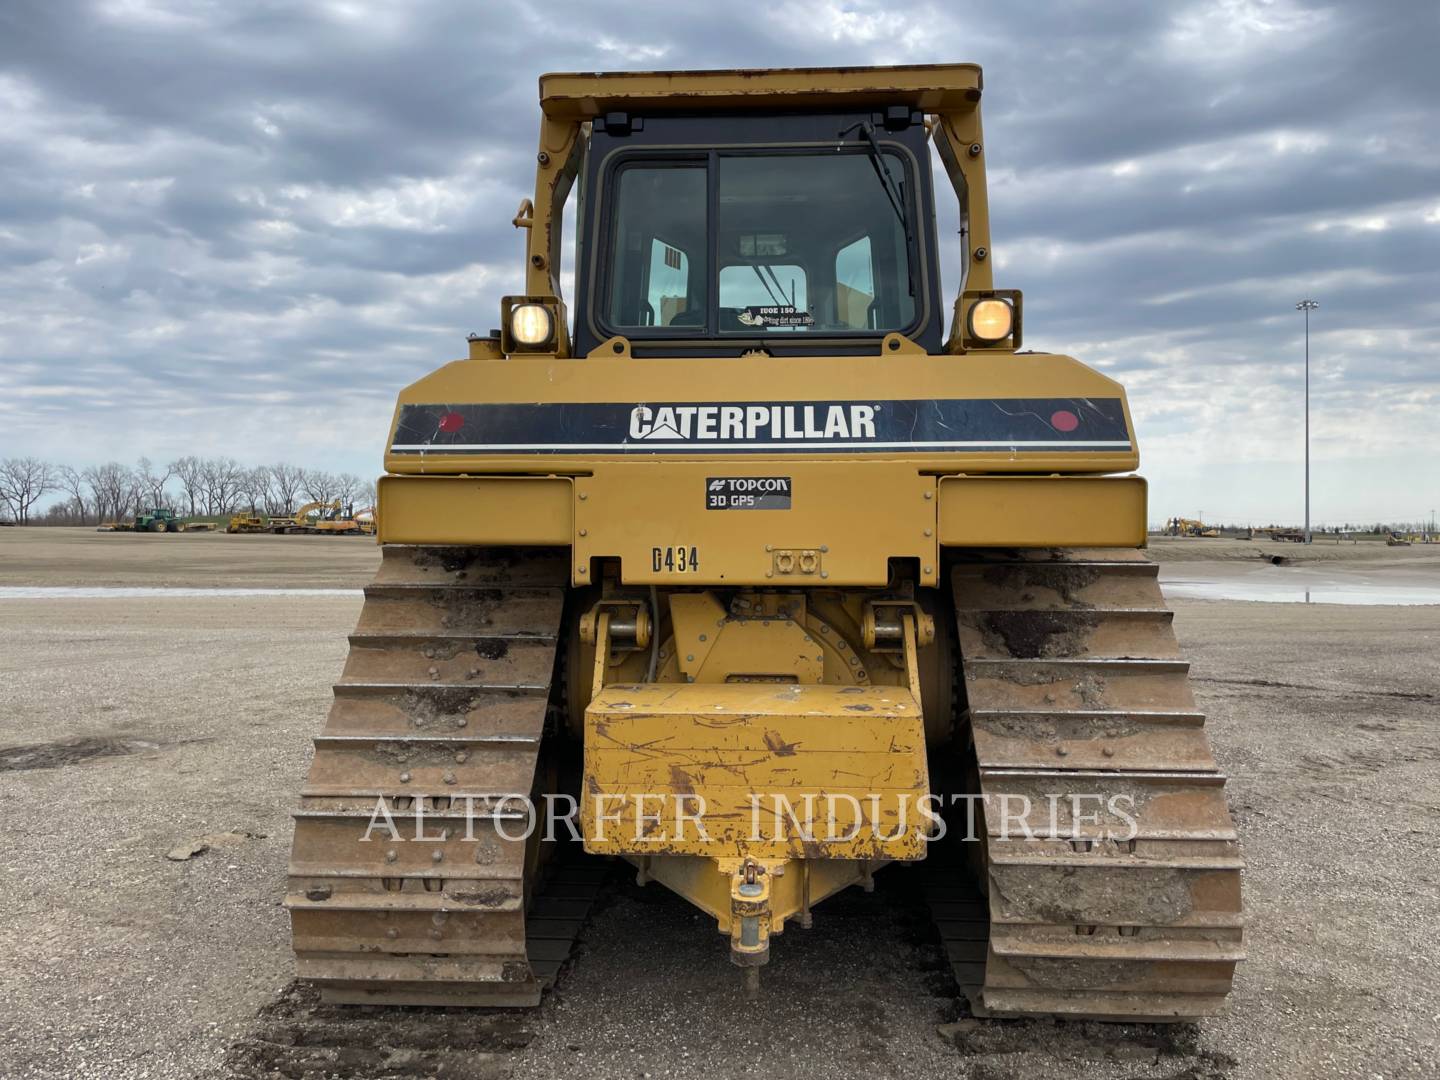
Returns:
<point x="779" y="566"/>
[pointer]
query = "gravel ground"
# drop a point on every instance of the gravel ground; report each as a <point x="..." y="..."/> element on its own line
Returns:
<point x="86" y="557"/>
<point x="143" y="724"/>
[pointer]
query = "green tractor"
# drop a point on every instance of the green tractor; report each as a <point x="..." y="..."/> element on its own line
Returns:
<point x="157" y="519"/>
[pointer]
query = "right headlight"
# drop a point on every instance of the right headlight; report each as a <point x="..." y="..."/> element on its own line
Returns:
<point x="531" y="325"/>
<point x="991" y="320"/>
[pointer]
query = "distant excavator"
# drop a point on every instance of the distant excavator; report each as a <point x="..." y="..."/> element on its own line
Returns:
<point x="1190" y="527"/>
<point x="333" y="518"/>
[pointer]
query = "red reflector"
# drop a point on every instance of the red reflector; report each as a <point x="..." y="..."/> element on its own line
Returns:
<point x="451" y="421"/>
<point x="1064" y="420"/>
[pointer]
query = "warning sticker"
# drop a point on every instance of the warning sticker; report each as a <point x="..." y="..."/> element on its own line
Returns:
<point x="767" y="315"/>
<point x="747" y="493"/>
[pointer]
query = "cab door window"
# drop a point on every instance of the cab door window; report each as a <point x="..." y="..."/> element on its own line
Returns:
<point x="657" y="260"/>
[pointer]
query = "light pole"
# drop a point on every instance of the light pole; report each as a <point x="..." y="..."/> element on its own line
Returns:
<point x="1307" y="306"/>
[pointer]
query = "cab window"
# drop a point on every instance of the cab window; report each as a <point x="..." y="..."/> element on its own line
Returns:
<point x="855" y="285"/>
<point x="798" y="242"/>
<point x="658" y="251"/>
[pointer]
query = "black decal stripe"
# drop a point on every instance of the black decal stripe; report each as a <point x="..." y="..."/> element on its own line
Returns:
<point x="788" y="448"/>
<point x="889" y="426"/>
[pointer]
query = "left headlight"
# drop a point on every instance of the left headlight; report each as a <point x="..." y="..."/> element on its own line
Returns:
<point x="991" y="320"/>
<point x="531" y="325"/>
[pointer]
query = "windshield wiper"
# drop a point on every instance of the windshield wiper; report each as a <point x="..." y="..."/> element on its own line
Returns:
<point x="777" y="299"/>
<point x="882" y="171"/>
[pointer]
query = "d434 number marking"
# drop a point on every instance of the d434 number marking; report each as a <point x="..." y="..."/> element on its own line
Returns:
<point x="674" y="560"/>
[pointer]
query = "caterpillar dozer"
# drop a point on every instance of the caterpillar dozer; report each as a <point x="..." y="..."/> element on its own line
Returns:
<point x="783" y="568"/>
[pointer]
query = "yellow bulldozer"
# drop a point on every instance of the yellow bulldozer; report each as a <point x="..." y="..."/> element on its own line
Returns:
<point x="762" y="565"/>
<point x="248" y="521"/>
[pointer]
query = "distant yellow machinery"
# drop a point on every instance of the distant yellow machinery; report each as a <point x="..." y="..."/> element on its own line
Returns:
<point x="1189" y="527"/>
<point x="335" y="519"/>
<point x="248" y="521"/>
<point x="301" y="520"/>
<point x="776" y="561"/>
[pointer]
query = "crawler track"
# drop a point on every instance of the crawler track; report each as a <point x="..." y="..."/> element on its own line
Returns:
<point x="442" y="708"/>
<point x="1075" y="687"/>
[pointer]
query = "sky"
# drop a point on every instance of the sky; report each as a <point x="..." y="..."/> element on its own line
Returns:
<point x="239" y="228"/>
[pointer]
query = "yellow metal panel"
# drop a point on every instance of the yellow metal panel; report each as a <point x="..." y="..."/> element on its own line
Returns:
<point x="711" y="648"/>
<point x="738" y="734"/>
<point x="929" y="87"/>
<point x="1042" y="511"/>
<point x="987" y="374"/>
<point x="775" y="802"/>
<point x="475" y="510"/>
<point x="851" y="518"/>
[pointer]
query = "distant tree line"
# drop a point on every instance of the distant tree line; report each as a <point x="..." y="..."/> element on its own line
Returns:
<point x="191" y="486"/>
<point x="1348" y="529"/>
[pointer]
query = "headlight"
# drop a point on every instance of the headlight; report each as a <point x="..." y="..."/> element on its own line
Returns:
<point x="991" y="320"/>
<point x="530" y="325"/>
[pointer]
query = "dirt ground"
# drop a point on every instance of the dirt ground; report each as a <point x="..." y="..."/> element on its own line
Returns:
<point x="132" y="724"/>
<point x="40" y="557"/>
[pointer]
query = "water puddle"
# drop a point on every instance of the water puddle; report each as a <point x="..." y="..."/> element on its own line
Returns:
<point x="140" y="592"/>
<point x="1288" y="588"/>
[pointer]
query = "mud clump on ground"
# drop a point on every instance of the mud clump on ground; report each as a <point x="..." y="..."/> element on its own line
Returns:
<point x="71" y="751"/>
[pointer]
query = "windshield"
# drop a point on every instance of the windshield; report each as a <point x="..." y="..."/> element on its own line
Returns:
<point x="802" y="243"/>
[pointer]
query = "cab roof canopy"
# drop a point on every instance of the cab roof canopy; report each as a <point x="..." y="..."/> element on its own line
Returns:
<point x="931" y="88"/>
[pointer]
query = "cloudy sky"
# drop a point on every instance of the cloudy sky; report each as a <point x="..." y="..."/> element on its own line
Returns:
<point x="238" y="228"/>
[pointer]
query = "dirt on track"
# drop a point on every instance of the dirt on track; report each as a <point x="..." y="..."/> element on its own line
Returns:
<point x="121" y="962"/>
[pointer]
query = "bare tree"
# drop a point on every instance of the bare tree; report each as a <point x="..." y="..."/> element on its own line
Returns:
<point x="255" y="488"/>
<point x="367" y="495"/>
<point x="285" y="483"/>
<point x="151" y="484"/>
<point x="220" y="483"/>
<point x="112" y="489"/>
<point x="320" y="486"/>
<point x="92" y="479"/>
<point x="72" y="482"/>
<point x="23" y="481"/>
<point x="187" y="470"/>
<point x="347" y="487"/>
